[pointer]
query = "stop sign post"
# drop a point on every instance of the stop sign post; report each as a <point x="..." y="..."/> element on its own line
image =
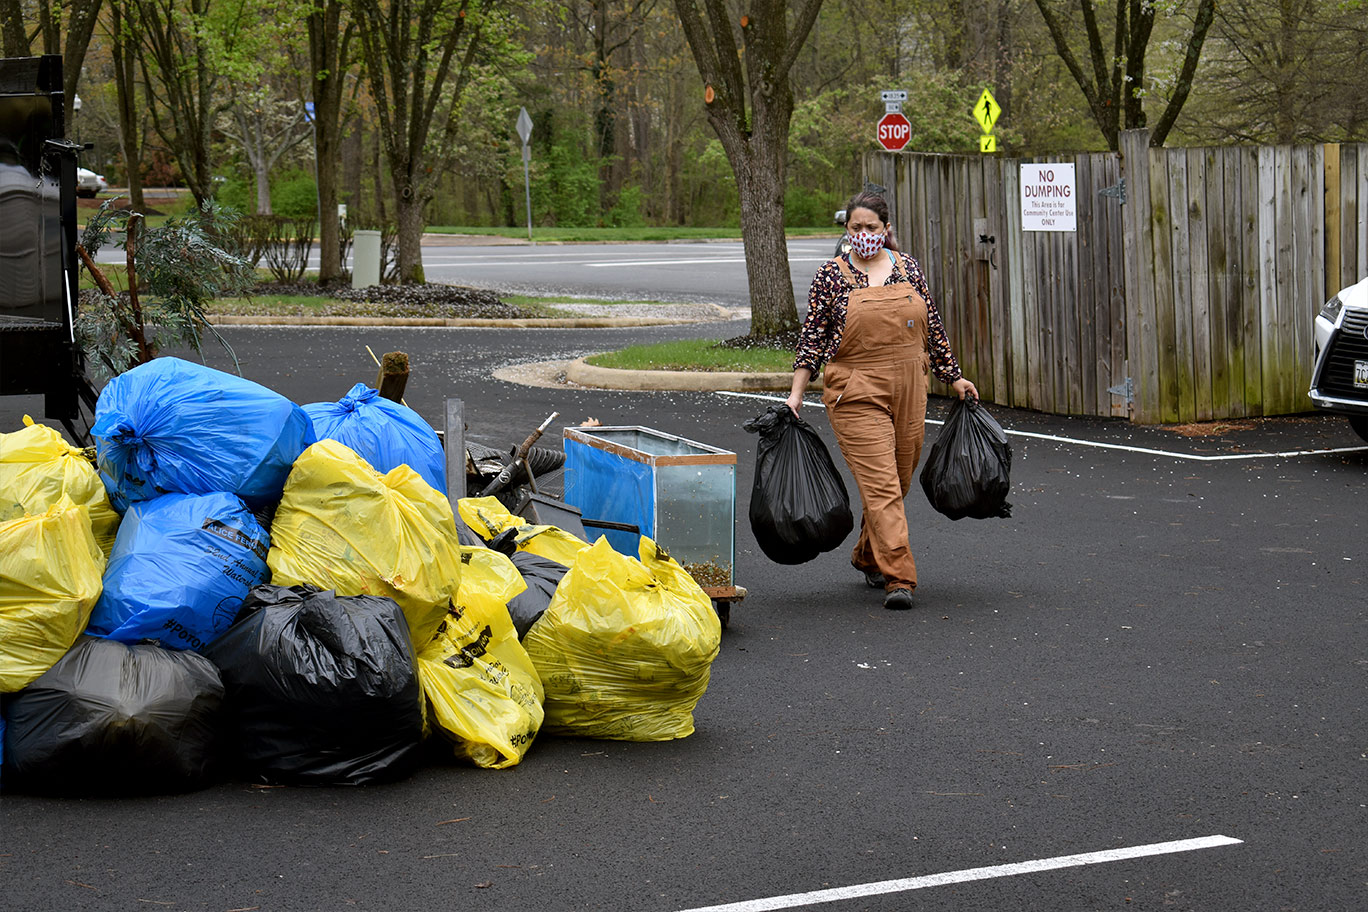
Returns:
<point x="895" y="131"/>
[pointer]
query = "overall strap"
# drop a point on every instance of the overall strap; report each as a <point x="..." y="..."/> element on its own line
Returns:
<point x="844" y="265"/>
<point x="898" y="270"/>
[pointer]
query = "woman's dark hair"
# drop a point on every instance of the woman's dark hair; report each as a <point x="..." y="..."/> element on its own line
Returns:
<point x="876" y="204"/>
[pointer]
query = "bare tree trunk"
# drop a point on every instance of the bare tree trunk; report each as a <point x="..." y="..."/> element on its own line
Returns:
<point x="261" y="174"/>
<point x="328" y="44"/>
<point x="751" y="112"/>
<point x="15" y="31"/>
<point x="124" y="53"/>
<point x="410" y="245"/>
<point x="80" y="26"/>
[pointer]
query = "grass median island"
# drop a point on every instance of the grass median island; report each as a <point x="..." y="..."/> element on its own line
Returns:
<point x="698" y="355"/>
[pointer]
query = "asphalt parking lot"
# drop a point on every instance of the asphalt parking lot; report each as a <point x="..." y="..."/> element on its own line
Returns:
<point x="1164" y="645"/>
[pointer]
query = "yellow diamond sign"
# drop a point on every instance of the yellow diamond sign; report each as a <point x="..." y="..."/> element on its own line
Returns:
<point x="986" y="111"/>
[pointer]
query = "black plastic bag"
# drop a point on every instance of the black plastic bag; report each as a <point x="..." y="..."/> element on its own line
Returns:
<point x="112" y="718"/>
<point x="968" y="469"/>
<point x="321" y="688"/>
<point x="799" y="506"/>
<point x="542" y="576"/>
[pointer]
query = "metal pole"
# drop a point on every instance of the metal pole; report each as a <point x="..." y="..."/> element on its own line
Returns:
<point x="527" y="190"/>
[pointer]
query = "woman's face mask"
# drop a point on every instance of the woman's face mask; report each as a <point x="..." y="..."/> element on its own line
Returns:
<point x="866" y="243"/>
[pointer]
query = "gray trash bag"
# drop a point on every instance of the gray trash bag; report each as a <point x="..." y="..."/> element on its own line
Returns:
<point x="113" y="718"/>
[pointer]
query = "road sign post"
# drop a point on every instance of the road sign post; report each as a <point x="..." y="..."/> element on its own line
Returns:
<point x="524" y="133"/>
<point x="895" y="131"/>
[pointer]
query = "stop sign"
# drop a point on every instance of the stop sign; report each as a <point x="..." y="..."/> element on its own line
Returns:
<point x="895" y="131"/>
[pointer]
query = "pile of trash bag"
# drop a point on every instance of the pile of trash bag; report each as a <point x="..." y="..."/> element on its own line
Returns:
<point x="225" y="588"/>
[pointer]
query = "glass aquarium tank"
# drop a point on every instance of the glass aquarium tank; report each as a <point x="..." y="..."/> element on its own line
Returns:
<point x="680" y="493"/>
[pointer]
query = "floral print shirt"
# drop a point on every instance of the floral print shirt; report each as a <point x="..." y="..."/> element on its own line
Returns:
<point x="825" y="323"/>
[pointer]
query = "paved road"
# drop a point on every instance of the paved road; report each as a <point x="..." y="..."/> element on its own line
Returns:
<point x="713" y="271"/>
<point x="1156" y="647"/>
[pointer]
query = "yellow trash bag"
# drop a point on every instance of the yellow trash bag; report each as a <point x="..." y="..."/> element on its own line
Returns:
<point x="38" y="466"/>
<point x="625" y="648"/>
<point x="488" y="517"/>
<point x="481" y="687"/>
<point x="342" y="525"/>
<point x="50" y="569"/>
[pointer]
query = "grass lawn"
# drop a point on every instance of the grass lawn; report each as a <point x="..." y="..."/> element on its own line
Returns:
<point x="696" y="355"/>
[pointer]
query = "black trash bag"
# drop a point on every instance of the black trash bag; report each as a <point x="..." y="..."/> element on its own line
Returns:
<point x="799" y="506"/>
<point x="114" y="718"/>
<point x="321" y="688"/>
<point x="542" y="576"/>
<point x="968" y="469"/>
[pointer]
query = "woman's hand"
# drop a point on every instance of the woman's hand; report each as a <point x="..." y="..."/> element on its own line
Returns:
<point x="801" y="378"/>
<point x="964" y="387"/>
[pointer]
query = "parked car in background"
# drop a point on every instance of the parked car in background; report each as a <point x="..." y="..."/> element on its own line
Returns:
<point x="1339" y="380"/>
<point x="89" y="184"/>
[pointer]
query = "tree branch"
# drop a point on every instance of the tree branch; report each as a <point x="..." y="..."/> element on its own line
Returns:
<point x="1205" y="14"/>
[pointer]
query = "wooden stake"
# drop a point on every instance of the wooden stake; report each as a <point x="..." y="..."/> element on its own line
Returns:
<point x="393" y="376"/>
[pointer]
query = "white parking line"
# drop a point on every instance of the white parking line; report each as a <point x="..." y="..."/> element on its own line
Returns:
<point x="1195" y="457"/>
<point x="739" y="259"/>
<point x="856" y="891"/>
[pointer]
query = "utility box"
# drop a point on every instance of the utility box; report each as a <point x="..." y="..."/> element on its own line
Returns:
<point x="680" y="493"/>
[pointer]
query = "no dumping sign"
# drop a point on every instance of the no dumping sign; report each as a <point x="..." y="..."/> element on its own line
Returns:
<point x="1048" y="201"/>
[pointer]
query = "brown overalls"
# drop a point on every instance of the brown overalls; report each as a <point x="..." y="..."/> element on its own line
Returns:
<point x="875" y="394"/>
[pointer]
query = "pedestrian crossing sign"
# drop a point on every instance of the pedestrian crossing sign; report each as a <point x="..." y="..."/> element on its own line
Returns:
<point x="986" y="111"/>
<point x="987" y="143"/>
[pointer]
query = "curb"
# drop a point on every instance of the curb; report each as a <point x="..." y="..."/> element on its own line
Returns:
<point x="720" y="315"/>
<point x="583" y="374"/>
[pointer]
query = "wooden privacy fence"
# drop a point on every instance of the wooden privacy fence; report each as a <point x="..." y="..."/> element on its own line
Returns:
<point x="1187" y="291"/>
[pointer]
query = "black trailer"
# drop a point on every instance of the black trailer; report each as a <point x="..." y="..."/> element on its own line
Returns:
<point x="38" y="269"/>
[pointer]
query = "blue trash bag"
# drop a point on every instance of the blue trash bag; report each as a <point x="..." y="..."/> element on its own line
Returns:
<point x="384" y="433"/>
<point x="172" y="426"/>
<point x="180" y="568"/>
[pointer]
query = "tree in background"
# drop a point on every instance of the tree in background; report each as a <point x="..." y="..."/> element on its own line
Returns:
<point x="330" y="62"/>
<point x="123" y="48"/>
<point x="1287" y="71"/>
<point x="65" y="28"/>
<point x="420" y="55"/>
<point x="1115" y="82"/>
<point x="745" y="61"/>
<point x="184" y="49"/>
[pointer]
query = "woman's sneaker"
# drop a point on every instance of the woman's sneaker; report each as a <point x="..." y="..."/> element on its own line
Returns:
<point x="898" y="599"/>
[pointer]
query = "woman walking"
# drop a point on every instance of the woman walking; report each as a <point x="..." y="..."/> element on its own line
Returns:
<point x="872" y="322"/>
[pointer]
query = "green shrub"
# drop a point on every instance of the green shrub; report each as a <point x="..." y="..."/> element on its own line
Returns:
<point x="294" y="195"/>
<point x="235" y="193"/>
<point x="807" y="208"/>
<point x="626" y="212"/>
